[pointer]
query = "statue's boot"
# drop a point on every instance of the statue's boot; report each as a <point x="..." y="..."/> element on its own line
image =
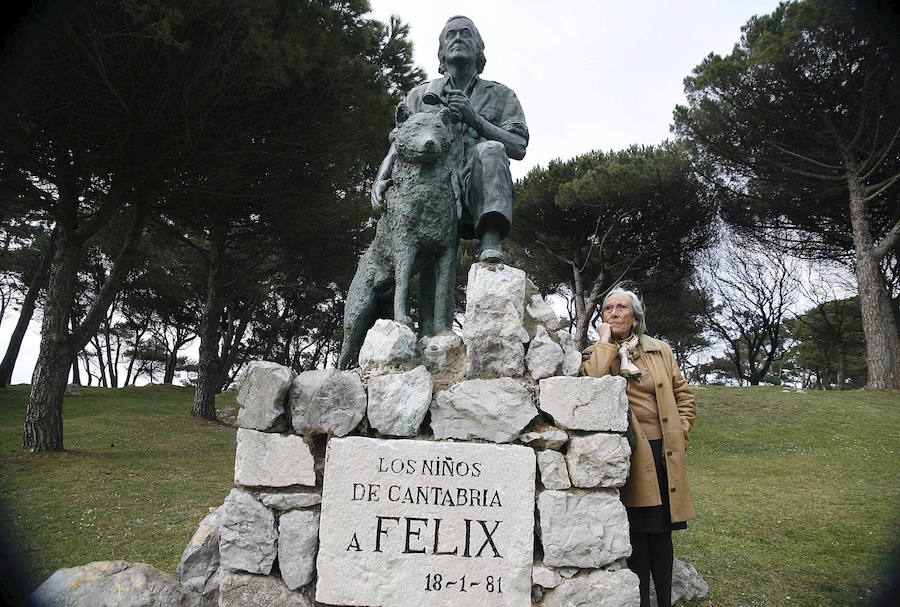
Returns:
<point x="491" y="247"/>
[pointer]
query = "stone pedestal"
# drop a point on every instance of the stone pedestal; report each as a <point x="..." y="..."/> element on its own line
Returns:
<point x="437" y="520"/>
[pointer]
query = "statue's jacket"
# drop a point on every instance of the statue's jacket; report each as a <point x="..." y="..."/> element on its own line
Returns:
<point x="495" y="102"/>
<point x="675" y="402"/>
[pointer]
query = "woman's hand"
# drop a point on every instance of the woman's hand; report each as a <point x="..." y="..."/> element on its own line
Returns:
<point x="604" y="330"/>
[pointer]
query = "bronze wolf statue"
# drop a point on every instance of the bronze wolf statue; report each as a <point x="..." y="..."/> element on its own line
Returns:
<point x="417" y="233"/>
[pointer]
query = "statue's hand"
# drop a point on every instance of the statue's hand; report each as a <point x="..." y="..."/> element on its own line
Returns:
<point x="459" y="101"/>
<point x="378" y="189"/>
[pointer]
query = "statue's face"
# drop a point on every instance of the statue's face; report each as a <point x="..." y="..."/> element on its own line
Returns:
<point x="458" y="39"/>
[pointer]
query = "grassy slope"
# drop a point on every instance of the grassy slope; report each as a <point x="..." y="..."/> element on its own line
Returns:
<point x="137" y="475"/>
<point x="798" y="493"/>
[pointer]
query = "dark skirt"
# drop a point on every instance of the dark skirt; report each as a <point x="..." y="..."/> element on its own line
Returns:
<point x="655" y="519"/>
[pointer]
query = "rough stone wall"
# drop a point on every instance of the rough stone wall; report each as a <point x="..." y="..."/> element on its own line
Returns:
<point x="503" y="382"/>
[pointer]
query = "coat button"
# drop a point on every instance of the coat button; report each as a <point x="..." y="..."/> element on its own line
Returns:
<point x="665" y="419"/>
<point x="659" y="385"/>
<point x="669" y="453"/>
<point x="673" y="489"/>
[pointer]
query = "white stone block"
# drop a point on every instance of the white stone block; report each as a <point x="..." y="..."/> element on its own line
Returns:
<point x="583" y="529"/>
<point x="544" y="357"/>
<point x="290" y="501"/>
<point x="438" y="351"/>
<point x="552" y="465"/>
<point x="493" y="409"/>
<point x="263" y="396"/>
<point x="398" y="402"/>
<point x="493" y="331"/>
<point x="544" y="576"/>
<point x="571" y="355"/>
<point x="298" y="541"/>
<point x="198" y="568"/>
<point x="327" y="401"/>
<point x="586" y="403"/>
<point x="596" y="589"/>
<point x="539" y="314"/>
<point x="387" y="344"/>
<point x="243" y="590"/>
<point x="247" y="536"/>
<point x="263" y="459"/>
<point x="546" y="437"/>
<point x="598" y="460"/>
<point x="109" y="583"/>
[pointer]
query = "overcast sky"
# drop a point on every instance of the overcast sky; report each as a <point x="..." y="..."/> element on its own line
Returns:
<point x="590" y="75"/>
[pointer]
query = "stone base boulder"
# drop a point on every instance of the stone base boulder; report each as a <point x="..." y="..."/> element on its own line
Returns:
<point x="198" y="569"/>
<point x="110" y="583"/>
<point x="598" y="460"/>
<point x="244" y="590"/>
<point x="491" y="409"/>
<point x="262" y="395"/>
<point x="596" y="589"/>
<point x="687" y="584"/>
<point x="327" y="401"/>
<point x="298" y="542"/>
<point x="571" y="355"/>
<point x="398" y="402"/>
<point x="247" y="535"/>
<point x="586" y="403"/>
<point x="552" y="465"/>
<point x="494" y="332"/>
<point x="388" y="344"/>
<point x="263" y="459"/>
<point x="545" y="356"/>
<point x="583" y="529"/>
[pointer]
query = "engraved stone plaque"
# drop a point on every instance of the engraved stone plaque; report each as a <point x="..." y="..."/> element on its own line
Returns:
<point x="407" y="523"/>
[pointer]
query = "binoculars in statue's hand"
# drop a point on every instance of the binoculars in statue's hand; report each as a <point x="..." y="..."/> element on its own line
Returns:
<point x="433" y="97"/>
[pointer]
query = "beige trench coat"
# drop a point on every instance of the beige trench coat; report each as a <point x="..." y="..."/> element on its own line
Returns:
<point x="675" y="401"/>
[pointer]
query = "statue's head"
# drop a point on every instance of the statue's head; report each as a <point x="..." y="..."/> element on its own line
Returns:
<point x="460" y="24"/>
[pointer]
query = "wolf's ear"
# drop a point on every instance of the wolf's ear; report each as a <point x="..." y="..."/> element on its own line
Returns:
<point x="446" y="115"/>
<point x="402" y="113"/>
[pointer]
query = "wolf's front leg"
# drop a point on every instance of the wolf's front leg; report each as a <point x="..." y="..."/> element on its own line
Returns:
<point x="445" y="284"/>
<point x="404" y="256"/>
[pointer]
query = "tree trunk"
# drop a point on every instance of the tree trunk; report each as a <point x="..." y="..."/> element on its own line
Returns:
<point x="879" y="328"/>
<point x="209" y="363"/>
<point x="76" y="372"/>
<point x="171" y="363"/>
<point x="38" y="282"/>
<point x="98" y="353"/>
<point x="43" y="413"/>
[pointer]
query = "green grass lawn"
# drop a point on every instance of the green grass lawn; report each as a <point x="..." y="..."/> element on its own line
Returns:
<point x="137" y="476"/>
<point x="797" y="493"/>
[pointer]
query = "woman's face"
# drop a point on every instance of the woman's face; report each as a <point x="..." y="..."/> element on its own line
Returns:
<point x="618" y="313"/>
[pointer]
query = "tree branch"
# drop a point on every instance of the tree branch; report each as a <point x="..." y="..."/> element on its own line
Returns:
<point x="120" y="269"/>
<point x="887" y="243"/>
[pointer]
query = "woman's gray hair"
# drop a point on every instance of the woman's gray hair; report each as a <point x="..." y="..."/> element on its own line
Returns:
<point x="637" y="307"/>
<point x="479" y="46"/>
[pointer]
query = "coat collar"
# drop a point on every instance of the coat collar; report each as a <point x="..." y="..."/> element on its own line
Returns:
<point x="649" y="344"/>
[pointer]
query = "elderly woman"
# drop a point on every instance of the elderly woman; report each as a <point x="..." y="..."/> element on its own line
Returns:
<point x="656" y="495"/>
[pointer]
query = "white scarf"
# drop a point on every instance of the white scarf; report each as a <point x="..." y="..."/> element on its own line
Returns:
<point x="627" y="351"/>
